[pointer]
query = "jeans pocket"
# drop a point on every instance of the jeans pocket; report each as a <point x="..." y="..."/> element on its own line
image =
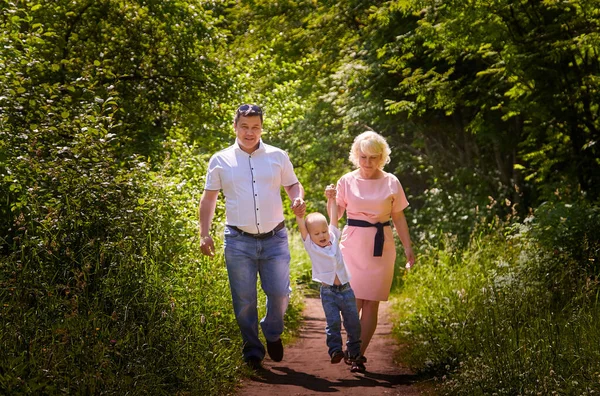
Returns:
<point x="282" y="234"/>
<point x="231" y="233"/>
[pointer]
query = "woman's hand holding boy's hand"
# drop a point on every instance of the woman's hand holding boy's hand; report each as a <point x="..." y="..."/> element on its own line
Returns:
<point x="330" y="191"/>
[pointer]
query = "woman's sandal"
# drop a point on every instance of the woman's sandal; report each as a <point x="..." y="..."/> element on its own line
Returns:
<point x="358" y="365"/>
<point x="348" y="361"/>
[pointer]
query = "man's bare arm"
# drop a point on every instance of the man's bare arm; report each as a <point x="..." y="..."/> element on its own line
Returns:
<point x="296" y="194"/>
<point x="206" y="212"/>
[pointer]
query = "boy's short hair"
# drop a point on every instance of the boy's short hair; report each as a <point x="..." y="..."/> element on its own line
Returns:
<point x="313" y="218"/>
<point x="370" y="143"/>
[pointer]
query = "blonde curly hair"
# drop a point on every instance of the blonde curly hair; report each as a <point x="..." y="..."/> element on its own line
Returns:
<point x="370" y="143"/>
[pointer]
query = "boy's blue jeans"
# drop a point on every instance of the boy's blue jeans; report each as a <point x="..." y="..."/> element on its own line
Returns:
<point x="336" y="299"/>
<point x="246" y="257"/>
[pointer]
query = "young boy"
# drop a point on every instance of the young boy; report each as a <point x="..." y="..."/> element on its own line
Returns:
<point x="321" y="242"/>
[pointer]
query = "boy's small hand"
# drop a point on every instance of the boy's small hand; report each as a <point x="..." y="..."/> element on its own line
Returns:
<point x="300" y="212"/>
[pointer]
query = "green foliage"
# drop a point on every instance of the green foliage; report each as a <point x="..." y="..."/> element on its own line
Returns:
<point x="515" y="312"/>
<point x="444" y="215"/>
<point x="515" y="75"/>
<point x="102" y="285"/>
<point x="490" y="100"/>
<point x="158" y="57"/>
<point x="284" y="53"/>
<point x="571" y="232"/>
<point x="110" y="109"/>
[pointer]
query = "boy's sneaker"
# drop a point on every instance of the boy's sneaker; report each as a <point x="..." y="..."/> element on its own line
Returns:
<point x="347" y="359"/>
<point x="358" y="365"/>
<point x="337" y="357"/>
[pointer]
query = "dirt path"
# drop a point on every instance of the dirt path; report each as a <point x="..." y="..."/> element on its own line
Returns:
<point x="306" y="370"/>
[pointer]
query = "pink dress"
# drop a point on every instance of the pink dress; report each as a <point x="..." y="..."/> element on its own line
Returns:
<point x="372" y="200"/>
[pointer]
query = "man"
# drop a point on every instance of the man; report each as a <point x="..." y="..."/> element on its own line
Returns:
<point x="251" y="174"/>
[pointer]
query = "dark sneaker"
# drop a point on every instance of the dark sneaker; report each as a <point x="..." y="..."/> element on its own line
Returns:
<point x="275" y="350"/>
<point x="254" y="363"/>
<point x="337" y="357"/>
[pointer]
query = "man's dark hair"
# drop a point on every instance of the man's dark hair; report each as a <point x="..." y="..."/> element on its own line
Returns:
<point x="248" y="110"/>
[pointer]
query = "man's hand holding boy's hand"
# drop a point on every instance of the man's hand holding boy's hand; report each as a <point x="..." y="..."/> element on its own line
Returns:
<point x="299" y="207"/>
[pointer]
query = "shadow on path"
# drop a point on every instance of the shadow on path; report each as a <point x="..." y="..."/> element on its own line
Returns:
<point x="317" y="384"/>
<point x="307" y="371"/>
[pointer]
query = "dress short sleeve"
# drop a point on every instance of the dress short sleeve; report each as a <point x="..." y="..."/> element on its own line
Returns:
<point x="399" y="201"/>
<point x="341" y="193"/>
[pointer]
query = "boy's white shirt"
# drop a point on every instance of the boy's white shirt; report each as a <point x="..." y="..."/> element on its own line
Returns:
<point x="327" y="262"/>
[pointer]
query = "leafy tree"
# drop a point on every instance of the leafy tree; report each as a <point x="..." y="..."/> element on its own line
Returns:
<point x="514" y="79"/>
<point x="96" y="250"/>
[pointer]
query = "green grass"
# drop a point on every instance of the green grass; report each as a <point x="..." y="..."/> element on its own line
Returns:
<point x="510" y="314"/>
<point x="103" y="289"/>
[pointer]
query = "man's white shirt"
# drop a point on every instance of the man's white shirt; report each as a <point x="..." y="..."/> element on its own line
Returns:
<point x="251" y="184"/>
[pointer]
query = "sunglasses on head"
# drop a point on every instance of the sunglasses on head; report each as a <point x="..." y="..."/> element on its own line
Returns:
<point x="243" y="109"/>
<point x="248" y="110"/>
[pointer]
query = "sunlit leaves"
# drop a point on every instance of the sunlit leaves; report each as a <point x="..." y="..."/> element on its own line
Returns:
<point x="89" y="234"/>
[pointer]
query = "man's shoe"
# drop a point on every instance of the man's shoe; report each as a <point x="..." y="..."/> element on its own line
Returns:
<point x="337" y="357"/>
<point x="254" y="363"/>
<point x="275" y="350"/>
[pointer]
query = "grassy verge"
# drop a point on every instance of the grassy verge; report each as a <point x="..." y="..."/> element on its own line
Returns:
<point x="516" y="312"/>
<point x="103" y="289"/>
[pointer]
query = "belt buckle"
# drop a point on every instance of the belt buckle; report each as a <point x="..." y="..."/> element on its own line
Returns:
<point x="263" y="235"/>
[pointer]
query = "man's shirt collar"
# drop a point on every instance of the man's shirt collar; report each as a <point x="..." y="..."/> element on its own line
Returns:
<point x="260" y="149"/>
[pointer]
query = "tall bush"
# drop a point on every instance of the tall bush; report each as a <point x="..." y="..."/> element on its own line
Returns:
<point x="102" y="287"/>
<point x="514" y="312"/>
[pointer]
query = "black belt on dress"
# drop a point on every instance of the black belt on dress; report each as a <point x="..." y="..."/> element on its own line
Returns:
<point x="379" y="238"/>
<point x="260" y="236"/>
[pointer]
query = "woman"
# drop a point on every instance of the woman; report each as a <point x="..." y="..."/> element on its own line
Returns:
<point x="370" y="198"/>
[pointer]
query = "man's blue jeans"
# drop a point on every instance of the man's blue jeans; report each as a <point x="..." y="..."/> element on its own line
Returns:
<point x="336" y="299"/>
<point x="246" y="257"/>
